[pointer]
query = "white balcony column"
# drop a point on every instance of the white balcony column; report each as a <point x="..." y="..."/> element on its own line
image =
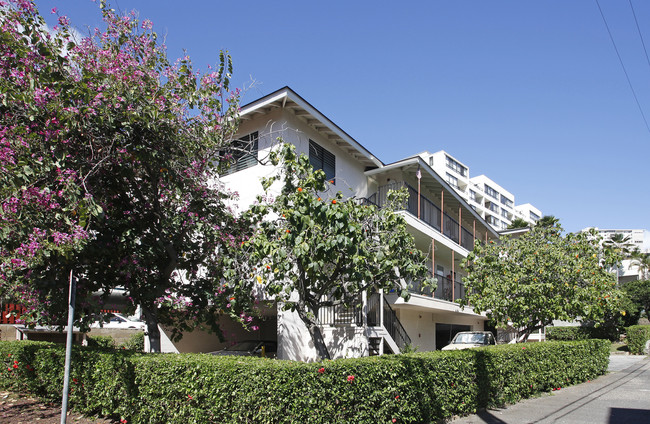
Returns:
<point x="381" y="320"/>
<point x="381" y="308"/>
<point x="433" y="264"/>
<point x="364" y="308"/>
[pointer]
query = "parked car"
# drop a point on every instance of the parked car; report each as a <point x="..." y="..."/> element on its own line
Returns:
<point x="469" y="339"/>
<point x="266" y="348"/>
<point x="115" y="320"/>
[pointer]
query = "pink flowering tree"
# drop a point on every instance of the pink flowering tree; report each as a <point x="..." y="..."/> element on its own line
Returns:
<point x="108" y="158"/>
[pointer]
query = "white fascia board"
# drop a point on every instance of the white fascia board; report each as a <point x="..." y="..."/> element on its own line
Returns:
<point x="251" y="107"/>
<point x="334" y="128"/>
<point x="287" y="93"/>
<point x="425" y="303"/>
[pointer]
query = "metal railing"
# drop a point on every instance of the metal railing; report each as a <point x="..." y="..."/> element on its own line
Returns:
<point x="341" y="315"/>
<point x="429" y="213"/>
<point x="444" y="289"/>
<point x="467" y="239"/>
<point x="417" y="288"/>
<point x="391" y="323"/>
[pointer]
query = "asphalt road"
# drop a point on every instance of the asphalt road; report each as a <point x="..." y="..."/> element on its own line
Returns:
<point x="622" y="396"/>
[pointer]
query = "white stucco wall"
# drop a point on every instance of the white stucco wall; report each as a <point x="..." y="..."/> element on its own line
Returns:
<point x="295" y="343"/>
<point x="420" y="325"/>
<point x="350" y="178"/>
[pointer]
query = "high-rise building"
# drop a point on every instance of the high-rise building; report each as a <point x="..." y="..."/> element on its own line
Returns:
<point x="490" y="200"/>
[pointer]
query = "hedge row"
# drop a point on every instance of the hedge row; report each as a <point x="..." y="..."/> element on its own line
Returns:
<point x="579" y="333"/>
<point x="637" y="337"/>
<point x="194" y="388"/>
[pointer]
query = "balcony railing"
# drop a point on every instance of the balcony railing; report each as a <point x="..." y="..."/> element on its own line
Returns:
<point x="443" y="289"/>
<point x="429" y="213"/>
<point x="341" y="315"/>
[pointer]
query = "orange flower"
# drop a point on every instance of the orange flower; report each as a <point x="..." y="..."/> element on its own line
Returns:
<point x="334" y="202"/>
<point x="319" y="199"/>
<point x="299" y="189"/>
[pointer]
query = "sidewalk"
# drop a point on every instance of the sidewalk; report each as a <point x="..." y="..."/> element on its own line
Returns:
<point x="622" y="396"/>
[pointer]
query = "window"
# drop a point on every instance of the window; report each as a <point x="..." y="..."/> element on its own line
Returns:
<point x="534" y="216"/>
<point x="506" y="201"/>
<point x="456" y="166"/>
<point x="322" y="159"/>
<point x="453" y="181"/>
<point x="494" y="207"/>
<point x="492" y="192"/>
<point x="492" y="220"/>
<point x="472" y="195"/>
<point x="244" y="153"/>
<point x="504" y="213"/>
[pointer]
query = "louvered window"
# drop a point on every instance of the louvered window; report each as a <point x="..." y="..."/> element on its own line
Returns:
<point x="322" y="159"/>
<point x="244" y="153"/>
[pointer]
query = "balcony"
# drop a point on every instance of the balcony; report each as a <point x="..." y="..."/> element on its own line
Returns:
<point x="429" y="213"/>
<point x="444" y="290"/>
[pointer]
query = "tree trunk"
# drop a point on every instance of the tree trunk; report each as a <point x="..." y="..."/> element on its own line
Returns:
<point x="152" y="330"/>
<point x="319" y="342"/>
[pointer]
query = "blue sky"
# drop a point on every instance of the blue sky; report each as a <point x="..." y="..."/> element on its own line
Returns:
<point x="531" y="94"/>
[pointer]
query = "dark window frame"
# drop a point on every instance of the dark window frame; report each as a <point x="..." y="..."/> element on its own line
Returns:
<point x="323" y="159"/>
<point x="244" y="153"/>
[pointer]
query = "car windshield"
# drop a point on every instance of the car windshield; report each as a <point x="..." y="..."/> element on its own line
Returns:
<point x="469" y="338"/>
<point x="243" y="346"/>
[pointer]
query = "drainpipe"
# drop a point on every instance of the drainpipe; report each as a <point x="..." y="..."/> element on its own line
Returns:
<point x="453" y="277"/>
<point x="460" y="228"/>
<point x="442" y="211"/>
<point x="474" y="233"/>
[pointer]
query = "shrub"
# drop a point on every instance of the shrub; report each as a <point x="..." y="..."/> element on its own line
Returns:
<point x="580" y="333"/>
<point x="135" y="342"/>
<point x="637" y="337"/>
<point x="415" y="388"/>
<point x="104" y="342"/>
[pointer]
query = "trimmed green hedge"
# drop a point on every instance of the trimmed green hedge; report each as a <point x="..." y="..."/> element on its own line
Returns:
<point x="579" y="333"/>
<point x="637" y="336"/>
<point x="194" y="388"/>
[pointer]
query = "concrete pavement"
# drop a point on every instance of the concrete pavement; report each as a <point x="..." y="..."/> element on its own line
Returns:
<point x="622" y="396"/>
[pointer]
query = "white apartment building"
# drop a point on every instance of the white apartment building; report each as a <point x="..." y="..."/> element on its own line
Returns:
<point x="442" y="222"/>
<point x="490" y="200"/>
<point x="635" y="239"/>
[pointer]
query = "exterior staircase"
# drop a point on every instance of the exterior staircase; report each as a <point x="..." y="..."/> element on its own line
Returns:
<point x="384" y="331"/>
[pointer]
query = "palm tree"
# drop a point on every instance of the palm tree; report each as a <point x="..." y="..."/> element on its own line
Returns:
<point x="621" y="245"/>
<point x="548" y="221"/>
<point x="641" y="261"/>
<point x="518" y="223"/>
